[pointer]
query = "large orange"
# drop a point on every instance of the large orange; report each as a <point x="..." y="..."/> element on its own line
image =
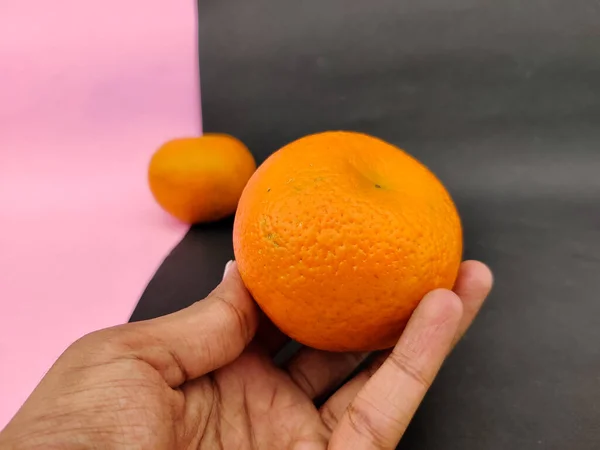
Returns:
<point x="339" y="235"/>
<point x="200" y="179"/>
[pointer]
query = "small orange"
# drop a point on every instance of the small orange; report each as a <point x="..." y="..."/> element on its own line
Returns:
<point x="339" y="235"/>
<point x="200" y="179"/>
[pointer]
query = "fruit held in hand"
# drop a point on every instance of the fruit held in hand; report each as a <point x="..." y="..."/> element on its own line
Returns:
<point x="200" y="179"/>
<point x="339" y="235"/>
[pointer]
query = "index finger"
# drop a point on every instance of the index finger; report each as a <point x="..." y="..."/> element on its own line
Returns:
<point x="380" y="413"/>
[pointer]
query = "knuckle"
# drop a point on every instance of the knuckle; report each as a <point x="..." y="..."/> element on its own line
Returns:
<point x="361" y="418"/>
<point x="407" y="366"/>
<point x="109" y="341"/>
<point x="328" y="416"/>
<point x="94" y="341"/>
<point x="91" y="349"/>
<point x="237" y="316"/>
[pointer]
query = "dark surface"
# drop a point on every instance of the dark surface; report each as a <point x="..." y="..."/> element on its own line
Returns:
<point x="502" y="101"/>
<point x="189" y="272"/>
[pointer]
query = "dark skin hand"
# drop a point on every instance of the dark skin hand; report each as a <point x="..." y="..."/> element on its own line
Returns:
<point x="203" y="378"/>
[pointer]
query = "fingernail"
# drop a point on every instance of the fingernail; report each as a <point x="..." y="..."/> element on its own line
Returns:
<point x="227" y="268"/>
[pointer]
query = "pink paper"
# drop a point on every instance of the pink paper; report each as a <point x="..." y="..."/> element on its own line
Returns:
<point x="88" y="90"/>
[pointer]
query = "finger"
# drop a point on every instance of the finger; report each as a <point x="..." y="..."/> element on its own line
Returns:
<point x="382" y="409"/>
<point x="473" y="285"/>
<point x="316" y="372"/>
<point x="269" y="337"/>
<point x="199" y="339"/>
<point x="333" y="409"/>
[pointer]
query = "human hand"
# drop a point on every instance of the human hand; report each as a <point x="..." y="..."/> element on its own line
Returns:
<point x="203" y="378"/>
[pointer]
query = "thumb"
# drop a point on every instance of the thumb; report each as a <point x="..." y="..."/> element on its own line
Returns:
<point x="201" y="338"/>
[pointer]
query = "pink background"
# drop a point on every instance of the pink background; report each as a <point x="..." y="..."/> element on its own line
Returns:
<point x="88" y="90"/>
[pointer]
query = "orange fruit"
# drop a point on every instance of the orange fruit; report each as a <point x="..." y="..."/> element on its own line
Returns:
<point x="339" y="235"/>
<point x="200" y="179"/>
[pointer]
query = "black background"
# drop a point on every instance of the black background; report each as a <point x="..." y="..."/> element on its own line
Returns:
<point x="502" y="100"/>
